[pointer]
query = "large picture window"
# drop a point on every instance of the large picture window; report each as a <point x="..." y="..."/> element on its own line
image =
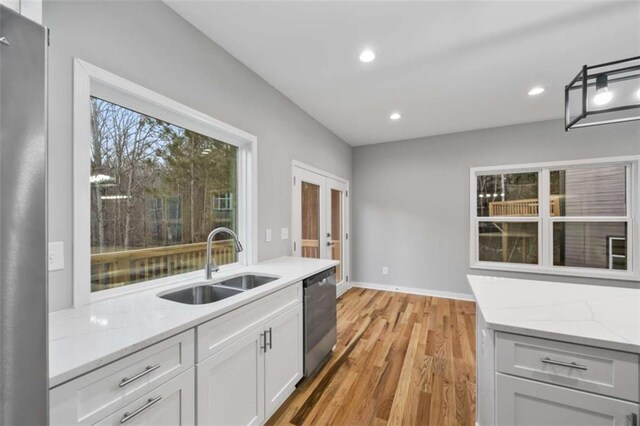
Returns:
<point x="152" y="179"/>
<point x="571" y="218"/>
<point x="150" y="186"/>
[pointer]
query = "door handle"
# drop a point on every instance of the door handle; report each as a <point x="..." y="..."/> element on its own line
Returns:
<point x="548" y="360"/>
<point x="263" y="341"/>
<point x="270" y="338"/>
<point x="128" y="416"/>
<point x="125" y="381"/>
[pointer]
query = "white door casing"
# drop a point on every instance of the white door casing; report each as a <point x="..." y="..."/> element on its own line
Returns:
<point x="326" y="182"/>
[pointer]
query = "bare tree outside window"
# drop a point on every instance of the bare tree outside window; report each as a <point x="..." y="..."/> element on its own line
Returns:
<point x="153" y="186"/>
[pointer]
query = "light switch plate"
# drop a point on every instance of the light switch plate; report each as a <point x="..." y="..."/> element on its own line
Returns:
<point x="284" y="233"/>
<point x="267" y="235"/>
<point x="56" y="256"/>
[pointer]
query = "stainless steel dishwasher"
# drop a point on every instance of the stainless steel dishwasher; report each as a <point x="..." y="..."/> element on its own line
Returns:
<point x="319" y="319"/>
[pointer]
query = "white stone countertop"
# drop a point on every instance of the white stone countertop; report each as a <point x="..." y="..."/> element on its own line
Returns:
<point x="86" y="337"/>
<point x="607" y="317"/>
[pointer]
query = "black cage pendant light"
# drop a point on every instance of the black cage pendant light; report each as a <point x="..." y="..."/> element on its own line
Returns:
<point x="603" y="94"/>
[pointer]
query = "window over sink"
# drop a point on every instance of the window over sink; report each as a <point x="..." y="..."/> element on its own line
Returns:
<point x="152" y="179"/>
<point x="567" y="218"/>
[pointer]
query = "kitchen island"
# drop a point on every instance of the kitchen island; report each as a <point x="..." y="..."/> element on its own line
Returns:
<point x="556" y="353"/>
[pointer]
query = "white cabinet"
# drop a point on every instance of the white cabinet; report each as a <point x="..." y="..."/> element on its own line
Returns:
<point x="283" y="358"/>
<point x="527" y="402"/>
<point x="546" y="382"/>
<point x="246" y="381"/>
<point x="172" y="404"/>
<point x="94" y="396"/>
<point x="248" y="362"/>
<point x="231" y="383"/>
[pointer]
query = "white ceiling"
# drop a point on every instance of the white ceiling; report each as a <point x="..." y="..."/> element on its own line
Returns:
<point x="447" y="66"/>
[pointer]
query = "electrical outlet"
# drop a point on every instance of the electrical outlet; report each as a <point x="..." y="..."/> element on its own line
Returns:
<point x="284" y="233"/>
<point x="385" y="270"/>
<point x="56" y="256"/>
<point x="267" y="235"/>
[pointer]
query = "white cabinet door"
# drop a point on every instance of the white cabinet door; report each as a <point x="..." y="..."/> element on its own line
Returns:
<point x="283" y="358"/>
<point x="231" y="383"/>
<point x="526" y="402"/>
<point x="171" y="404"/>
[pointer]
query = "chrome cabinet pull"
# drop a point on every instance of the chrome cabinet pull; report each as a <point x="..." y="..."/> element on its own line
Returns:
<point x="632" y="419"/>
<point x="270" y="338"/>
<point x="263" y="341"/>
<point x="128" y="416"/>
<point x="548" y="360"/>
<point x="148" y="370"/>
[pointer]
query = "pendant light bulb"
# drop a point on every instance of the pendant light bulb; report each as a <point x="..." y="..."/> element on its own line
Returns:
<point x="603" y="95"/>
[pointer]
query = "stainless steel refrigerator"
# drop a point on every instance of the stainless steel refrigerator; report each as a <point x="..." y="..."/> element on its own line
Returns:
<point x="23" y="214"/>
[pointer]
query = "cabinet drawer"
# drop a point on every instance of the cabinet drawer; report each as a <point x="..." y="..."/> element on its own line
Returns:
<point x="526" y="402"/>
<point x="171" y="404"/>
<point x="91" y="397"/>
<point x="601" y="371"/>
<point x="214" y="335"/>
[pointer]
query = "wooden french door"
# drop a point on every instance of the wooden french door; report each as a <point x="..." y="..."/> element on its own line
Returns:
<point x="320" y="219"/>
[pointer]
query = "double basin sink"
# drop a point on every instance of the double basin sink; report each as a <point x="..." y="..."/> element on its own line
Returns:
<point x="205" y="292"/>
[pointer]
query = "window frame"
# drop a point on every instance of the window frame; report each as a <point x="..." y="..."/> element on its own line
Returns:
<point x="546" y="221"/>
<point x="90" y="80"/>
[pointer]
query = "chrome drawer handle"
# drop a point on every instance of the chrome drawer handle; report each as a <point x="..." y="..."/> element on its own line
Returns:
<point x="548" y="360"/>
<point x="148" y="370"/>
<point x="270" y="338"/>
<point x="150" y="402"/>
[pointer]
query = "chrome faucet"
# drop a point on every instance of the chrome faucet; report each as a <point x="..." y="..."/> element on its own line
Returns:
<point x="211" y="266"/>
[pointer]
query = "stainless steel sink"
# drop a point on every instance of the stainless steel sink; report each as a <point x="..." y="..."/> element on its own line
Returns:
<point x="201" y="294"/>
<point x="246" y="282"/>
<point x="208" y="292"/>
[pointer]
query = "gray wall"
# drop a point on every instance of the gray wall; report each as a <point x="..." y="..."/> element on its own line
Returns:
<point x="411" y="198"/>
<point x="149" y="44"/>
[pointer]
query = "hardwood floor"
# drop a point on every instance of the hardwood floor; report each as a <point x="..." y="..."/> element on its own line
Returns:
<point x="401" y="359"/>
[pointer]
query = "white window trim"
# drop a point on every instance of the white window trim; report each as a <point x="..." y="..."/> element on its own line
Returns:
<point x="545" y="241"/>
<point x="89" y="80"/>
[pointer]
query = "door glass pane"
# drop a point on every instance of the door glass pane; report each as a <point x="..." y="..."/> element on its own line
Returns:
<point x="515" y="242"/>
<point x="310" y="243"/>
<point x="509" y="194"/>
<point x="336" y="231"/>
<point x="601" y="245"/>
<point x="594" y="191"/>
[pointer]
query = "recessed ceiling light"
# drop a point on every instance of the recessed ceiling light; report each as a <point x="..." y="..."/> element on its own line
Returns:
<point x="536" y="90"/>
<point x="395" y="116"/>
<point x="367" y="56"/>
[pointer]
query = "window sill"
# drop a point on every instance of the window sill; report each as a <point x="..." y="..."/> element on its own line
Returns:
<point x="561" y="271"/>
<point x="158" y="283"/>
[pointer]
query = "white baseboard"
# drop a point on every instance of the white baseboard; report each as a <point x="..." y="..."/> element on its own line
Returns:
<point x="342" y="288"/>
<point x="413" y="290"/>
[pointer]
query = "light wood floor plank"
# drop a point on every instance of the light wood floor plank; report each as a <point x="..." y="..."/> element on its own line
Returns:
<point x="401" y="359"/>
